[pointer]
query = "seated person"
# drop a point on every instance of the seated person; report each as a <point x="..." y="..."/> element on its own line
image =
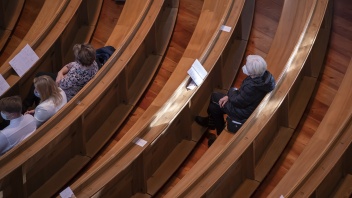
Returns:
<point x="52" y="99"/>
<point x="103" y="54"/>
<point x="239" y="104"/>
<point x="21" y="126"/>
<point x="73" y="76"/>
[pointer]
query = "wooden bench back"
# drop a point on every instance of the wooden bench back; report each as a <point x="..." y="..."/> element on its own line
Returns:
<point x="76" y="17"/>
<point x="76" y="133"/>
<point x="10" y="12"/>
<point x="242" y="160"/>
<point x="127" y="168"/>
<point x="326" y="159"/>
<point x="49" y="14"/>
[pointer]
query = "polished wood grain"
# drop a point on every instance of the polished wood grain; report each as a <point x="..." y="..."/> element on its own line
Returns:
<point x="185" y="24"/>
<point x="327" y="87"/>
<point x="10" y="12"/>
<point x="324" y="162"/>
<point x="266" y="18"/>
<point x="259" y="43"/>
<point x="339" y="54"/>
<point x="69" y="17"/>
<point x="30" y="12"/>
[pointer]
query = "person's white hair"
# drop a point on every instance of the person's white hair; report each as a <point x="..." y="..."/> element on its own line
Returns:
<point x="255" y="65"/>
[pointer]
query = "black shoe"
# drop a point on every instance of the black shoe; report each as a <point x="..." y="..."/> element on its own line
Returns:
<point x="204" y="121"/>
<point x="211" y="139"/>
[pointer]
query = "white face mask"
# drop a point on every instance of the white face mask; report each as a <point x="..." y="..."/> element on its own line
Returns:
<point x="244" y="70"/>
<point x="36" y="93"/>
<point x="4" y="116"/>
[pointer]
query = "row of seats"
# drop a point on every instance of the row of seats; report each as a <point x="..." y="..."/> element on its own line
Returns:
<point x="51" y="36"/>
<point x="66" y="142"/>
<point x="172" y="111"/>
<point x="324" y="167"/>
<point x="244" y="159"/>
<point x="40" y="29"/>
<point x="128" y="169"/>
<point x="10" y="12"/>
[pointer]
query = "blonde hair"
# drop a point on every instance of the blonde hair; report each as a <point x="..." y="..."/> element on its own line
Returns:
<point x="47" y="88"/>
<point x="255" y="65"/>
<point x="84" y="54"/>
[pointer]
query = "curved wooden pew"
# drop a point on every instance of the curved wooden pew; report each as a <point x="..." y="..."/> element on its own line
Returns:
<point x="73" y="135"/>
<point x="236" y="163"/>
<point x="10" y="12"/>
<point x="49" y="13"/>
<point x="78" y="17"/>
<point x="324" y="167"/>
<point x="128" y="169"/>
<point x="52" y="38"/>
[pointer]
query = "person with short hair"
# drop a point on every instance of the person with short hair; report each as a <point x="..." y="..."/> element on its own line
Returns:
<point x="21" y="126"/>
<point x="52" y="99"/>
<point x="240" y="103"/>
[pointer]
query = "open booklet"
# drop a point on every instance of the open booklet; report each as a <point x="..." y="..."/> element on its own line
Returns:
<point x="197" y="73"/>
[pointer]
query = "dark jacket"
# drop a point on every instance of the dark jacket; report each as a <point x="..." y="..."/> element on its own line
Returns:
<point x="103" y="54"/>
<point x="244" y="101"/>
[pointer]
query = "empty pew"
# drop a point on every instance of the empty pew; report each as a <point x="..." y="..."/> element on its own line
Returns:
<point x="128" y="169"/>
<point x="73" y="136"/>
<point x="236" y="163"/>
<point x="10" y="12"/>
<point x="324" y="167"/>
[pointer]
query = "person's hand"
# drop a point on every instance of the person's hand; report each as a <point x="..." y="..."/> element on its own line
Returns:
<point x="59" y="77"/>
<point x="223" y="101"/>
<point x="30" y="112"/>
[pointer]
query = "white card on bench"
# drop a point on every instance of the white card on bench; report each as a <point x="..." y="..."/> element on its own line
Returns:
<point x="67" y="193"/>
<point x="3" y="85"/>
<point x="225" y="28"/>
<point x="24" y="60"/>
<point x="197" y="72"/>
<point x="140" y="142"/>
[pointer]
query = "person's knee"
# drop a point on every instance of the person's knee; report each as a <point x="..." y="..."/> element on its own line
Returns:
<point x="213" y="108"/>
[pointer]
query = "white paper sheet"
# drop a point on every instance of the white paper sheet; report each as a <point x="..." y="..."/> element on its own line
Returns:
<point x="3" y="85"/>
<point x="191" y="85"/>
<point x="67" y="193"/>
<point x="140" y="142"/>
<point x="225" y="28"/>
<point x="197" y="72"/>
<point x="24" y="60"/>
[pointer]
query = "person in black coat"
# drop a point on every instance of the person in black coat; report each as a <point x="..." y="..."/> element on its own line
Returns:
<point x="240" y="103"/>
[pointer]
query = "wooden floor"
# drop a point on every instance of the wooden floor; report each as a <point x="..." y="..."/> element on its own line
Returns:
<point x="267" y="15"/>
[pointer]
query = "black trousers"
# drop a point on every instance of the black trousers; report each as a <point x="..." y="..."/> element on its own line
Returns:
<point x="216" y="113"/>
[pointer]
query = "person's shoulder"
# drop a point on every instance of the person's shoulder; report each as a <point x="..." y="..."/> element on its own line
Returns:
<point x="28" y="118"/>
<point x="63" y="94"/>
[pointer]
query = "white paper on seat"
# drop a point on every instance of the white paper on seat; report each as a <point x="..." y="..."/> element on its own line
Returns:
<point x="197" y="72"/>
<point x="24" y="60"/>
<point x="140" y="142"/>
<point x="3" y="85"/>
<point x="225" y="28"/>
<point x="67" y="193"/>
